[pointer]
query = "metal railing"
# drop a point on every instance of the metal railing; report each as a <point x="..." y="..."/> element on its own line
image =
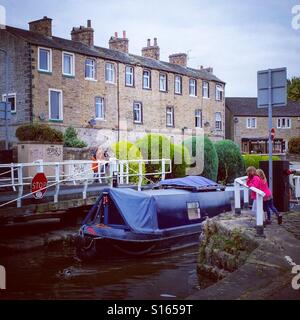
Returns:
<point x="19" y="175"/>
<point x="241" y="182"/>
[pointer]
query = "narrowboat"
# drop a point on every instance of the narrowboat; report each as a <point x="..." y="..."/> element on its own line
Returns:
<point x="168" y="217"/>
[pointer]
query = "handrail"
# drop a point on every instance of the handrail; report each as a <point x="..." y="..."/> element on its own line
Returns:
<point x="240" y="182"/>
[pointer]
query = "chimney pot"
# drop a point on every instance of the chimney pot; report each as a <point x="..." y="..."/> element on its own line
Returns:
<point x="155" y="42"/>
<point x="116" y="34"/>
<point x="148" y="43"/>
<point x="124" y="34"/>
<point x="89" y="23"/>
<point x="119" y="44"/>
<point x="84" y="34"/>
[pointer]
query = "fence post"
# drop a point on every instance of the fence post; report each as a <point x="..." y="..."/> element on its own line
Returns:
<point x="57" y="186"/>
<point x="20" y="185"/>
<point x="246" y="198"/>
<point x="12" y="173"/>
<point x="259" y="216"/>
<point x="140" y="175"/>
<point x="127" y="173"/>
<point x="121" y="172"/>
<point x="237" y="198"/>
<point x="163" y="166"/>
<point x="86" y="181"/>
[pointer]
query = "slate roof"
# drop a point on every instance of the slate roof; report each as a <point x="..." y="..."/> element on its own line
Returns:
<point x="248" y="107"/>
<point x="109" y="54"/>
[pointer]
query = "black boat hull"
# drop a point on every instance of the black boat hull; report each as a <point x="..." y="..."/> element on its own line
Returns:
<point x="97" y="247"/>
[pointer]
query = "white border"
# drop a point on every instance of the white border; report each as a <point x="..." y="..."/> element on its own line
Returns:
<point x="61" y="107"/>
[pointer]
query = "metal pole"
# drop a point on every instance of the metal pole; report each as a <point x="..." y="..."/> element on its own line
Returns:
<point x="270" y="138"/>
<point x="6" y="98"/>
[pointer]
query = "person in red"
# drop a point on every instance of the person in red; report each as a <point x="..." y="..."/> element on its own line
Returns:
<point x="268" y="198"/>
<point x="95" y="167"/>
<point x="253" y="181"/>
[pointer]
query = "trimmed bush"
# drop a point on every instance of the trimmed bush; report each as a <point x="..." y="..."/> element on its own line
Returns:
<point x="41" y="133"/>
<point x="180" y="162"/>
<point x="252" y="160"/>
<point x="155" y="146"/>
<point x="294" y="145"/>
<point x="71" y="139"/>
<point x="125" y="150"/>
<point x="231" y="164"/>
<point x="210" y="156"/>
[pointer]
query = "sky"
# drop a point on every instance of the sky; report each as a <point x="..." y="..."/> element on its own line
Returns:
<point x="237" y="38"/>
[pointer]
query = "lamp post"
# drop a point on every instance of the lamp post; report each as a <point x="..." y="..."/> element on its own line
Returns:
<point x="6" y="97"/>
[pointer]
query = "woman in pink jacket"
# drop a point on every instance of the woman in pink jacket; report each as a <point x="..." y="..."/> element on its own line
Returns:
<point x="253" y="181"/>
<point x="268" y="198"/>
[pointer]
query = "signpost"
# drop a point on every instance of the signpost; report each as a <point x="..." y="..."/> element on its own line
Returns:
<point x="271" y="92"/>
<point x="39" y="186"/>
<point x="5" y="112"/>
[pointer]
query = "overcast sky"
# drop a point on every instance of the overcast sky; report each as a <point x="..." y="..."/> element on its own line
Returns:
<point x="235" y="37"/>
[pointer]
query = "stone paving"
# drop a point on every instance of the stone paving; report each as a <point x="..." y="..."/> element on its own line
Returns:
<point x="266" y="274"/>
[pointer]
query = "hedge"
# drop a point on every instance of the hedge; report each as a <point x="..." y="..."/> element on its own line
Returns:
<point x="252" y="160"/>
<point x="71" y="139"/>
<point x="41" y="133"/>
<point x="231" y="164"/>
<point x="294" y="145"/>
<point x="210" y="156"/>
<point x="125" y="150"/>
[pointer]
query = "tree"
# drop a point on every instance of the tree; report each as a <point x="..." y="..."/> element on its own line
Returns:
<point x="294" y="89"/>
<point x="71" y="139"/>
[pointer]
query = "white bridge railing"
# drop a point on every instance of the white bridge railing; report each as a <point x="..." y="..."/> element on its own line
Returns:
<point x="241" y="183"/>
<point x="16" y="176"/>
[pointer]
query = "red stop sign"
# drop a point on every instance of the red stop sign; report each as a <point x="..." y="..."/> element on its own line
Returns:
<point x="272" y="133"/>
<point x="38" y="185"/>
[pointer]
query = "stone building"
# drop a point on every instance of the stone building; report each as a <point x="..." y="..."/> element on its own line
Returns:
<point x="96" y="90"/>
<point x="247" y="125"/>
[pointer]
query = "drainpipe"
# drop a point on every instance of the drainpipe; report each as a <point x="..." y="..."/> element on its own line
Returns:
<point x="118" y="99"/>
<point x="6" y="99"/>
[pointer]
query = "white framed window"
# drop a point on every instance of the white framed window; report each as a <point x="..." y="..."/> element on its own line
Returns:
<point x="110" y="72"/>
<point x="100" y="108"/>
<point x="68" y="64"/>
<point x="12" y="99"/>
<point x="137" y="112"/>
<point x="147" y="79"/>
<point x="198" y="118"/>
<point x="219" y="92"/>
<point x="163" y="82"/>
<point x="193" y="210"/>
<point x="170" y="116"/>
<point x="178" y="84"/>
<point x="55" y="105"/>
<point x="205" y="89"/>
<point x="193" y="87"/>
<point x="218" y="121"/>
<point x="251" y="123"/>
<point x="44" y="59"/>
<point x="129" y="76"/>
<point x="90" y="69"/>
<point x="284" y="123"/>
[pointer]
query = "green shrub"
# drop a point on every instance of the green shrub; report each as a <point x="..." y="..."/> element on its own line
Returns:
<point x="252" y="160"/>
<point x="41" y="133"/>
<point x="294" y="145"/>
<point x="180" y="162"/>
<point x="71" y="139"/>
<point x="231" y="164"/>
<point x="125" y="150"/>
<point x="155" y="146"/>
<point x="210" y="156"/>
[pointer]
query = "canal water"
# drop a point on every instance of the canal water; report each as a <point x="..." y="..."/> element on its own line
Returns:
<point x="56" y="274"/>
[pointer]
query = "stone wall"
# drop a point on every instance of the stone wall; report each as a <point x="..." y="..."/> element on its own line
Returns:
<point x="19" y="81"/>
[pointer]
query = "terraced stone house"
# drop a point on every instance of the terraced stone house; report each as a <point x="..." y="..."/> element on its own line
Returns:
<point x="95" y="89"/>
<point x="247" y="125"/>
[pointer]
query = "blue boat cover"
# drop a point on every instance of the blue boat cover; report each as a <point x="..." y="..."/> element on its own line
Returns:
<point x="137" y="208"/>
<point x="195" y="182"/>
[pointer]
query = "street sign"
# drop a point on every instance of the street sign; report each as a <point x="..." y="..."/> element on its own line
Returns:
<point x="273" y="134"/>
<point x="2" y="111"/>
<point x="39" y="186"/>
<point x="271" y="92"/>
<point x="276" y="80"/>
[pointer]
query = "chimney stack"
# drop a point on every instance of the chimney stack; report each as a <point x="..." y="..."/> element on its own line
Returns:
<point x="179" y="59"/>
<point x="151" y="51"/>
<point x="119" y="44"/>
<point x="84" y="34"/>
<point x="42" y="26"/>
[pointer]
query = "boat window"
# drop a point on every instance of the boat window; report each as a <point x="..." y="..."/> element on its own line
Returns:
<point x="193" y="209"/>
